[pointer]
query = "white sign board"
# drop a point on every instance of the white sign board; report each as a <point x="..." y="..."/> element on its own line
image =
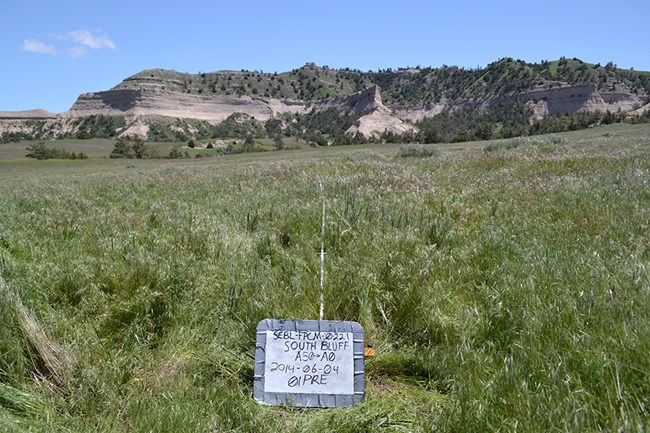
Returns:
<point x="309" y="363"/>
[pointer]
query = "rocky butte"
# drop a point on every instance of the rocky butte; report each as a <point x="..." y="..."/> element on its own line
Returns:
<point x="376" y="102"/>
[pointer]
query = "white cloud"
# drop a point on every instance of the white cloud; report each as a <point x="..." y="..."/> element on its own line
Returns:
<point x="75" y="43"/>
<point x="34" y="46"/>
<point x="89" y="39"/>
<point x="77" y="51"/>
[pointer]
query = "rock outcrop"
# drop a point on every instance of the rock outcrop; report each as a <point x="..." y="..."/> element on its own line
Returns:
<point x="374" y="117"/>
<point x="554" y="101"/>
<point x="417" y="113"/>
<point x="555" y="88"/>
<point x="570" y="99"/>
<point x="135" y="103"/>
<point x="643" y="110"/>
<point x="378" y="122"/>
<point x="360" y="103"/>
<point x="17" y="122"/>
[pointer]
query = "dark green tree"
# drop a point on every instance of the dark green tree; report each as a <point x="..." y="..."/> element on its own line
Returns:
<point x="139" y="149"/>
<point x="278" y="142"/>
<point x="249" y="143"/>
<point x="40" y="151"/>
<point x="175" y="153"/>
<point x="123" y="148"/>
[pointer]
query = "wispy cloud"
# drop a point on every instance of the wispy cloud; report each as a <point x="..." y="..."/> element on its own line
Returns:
<point x="77" y="51"/>
<point x="34" y="46"/>
<point x="75" y="43"/>
<point x="94" y="40"/>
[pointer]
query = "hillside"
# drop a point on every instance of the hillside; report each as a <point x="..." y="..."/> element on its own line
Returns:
<point x="405" y="100"/>
<point x="409" y="86"/>
<point x="28" y="114"/>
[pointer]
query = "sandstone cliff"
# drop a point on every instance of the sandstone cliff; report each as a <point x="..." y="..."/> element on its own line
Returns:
<point x="374" y="116"/>
<point x="570" y="99"/>
<point x="408" y="96"/>
<point x="641" y="111"/>
<point x="360" y="103"/>
<point x="135" y="103"/>
<point x="553" y="101"/>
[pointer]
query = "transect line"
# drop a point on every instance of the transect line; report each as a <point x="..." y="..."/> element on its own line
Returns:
<point x="322" y="257"/>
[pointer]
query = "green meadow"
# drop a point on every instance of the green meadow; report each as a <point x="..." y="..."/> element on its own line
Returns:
<point x="505" y="285"/>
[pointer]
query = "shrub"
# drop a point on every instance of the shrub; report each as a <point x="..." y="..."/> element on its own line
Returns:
<point x="175" y="153"/>
<point x="417" y="151"/>
<point x="130" y="148"/>
<point x="40" y="151"/>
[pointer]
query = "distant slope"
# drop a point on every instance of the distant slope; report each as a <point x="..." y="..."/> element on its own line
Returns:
<point x="399" y="100"/>
<point x="414" y="93"/>
<point x="27" y="115"/>
<point x="408" y="86"/>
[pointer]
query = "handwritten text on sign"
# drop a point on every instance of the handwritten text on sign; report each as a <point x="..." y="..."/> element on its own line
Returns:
<point x="309" y="362"/>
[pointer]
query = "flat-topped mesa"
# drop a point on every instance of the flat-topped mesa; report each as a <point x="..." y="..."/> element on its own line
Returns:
<point x="38" y="114"/>
<point x="25" y="121"/>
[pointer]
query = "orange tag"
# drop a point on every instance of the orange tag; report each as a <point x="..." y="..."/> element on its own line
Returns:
<point x="368" y="352"/>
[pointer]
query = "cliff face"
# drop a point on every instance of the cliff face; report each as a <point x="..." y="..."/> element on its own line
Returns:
<point x="551" y="88"/>
<point x="553" y="101"/>
<point x="582" y="98"/>
<point x="152" y="102"/>
<point x="360" y="103"/>
<point x="374" y="116"/>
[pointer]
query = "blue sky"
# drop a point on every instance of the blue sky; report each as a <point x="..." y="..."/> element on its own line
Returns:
<point x="54" y="50"/>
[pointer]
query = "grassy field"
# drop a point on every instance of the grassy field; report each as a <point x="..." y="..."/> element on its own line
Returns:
<point x="98" y="148"/>
<point x="504" y="285"/>
<point x="93" y="148"/>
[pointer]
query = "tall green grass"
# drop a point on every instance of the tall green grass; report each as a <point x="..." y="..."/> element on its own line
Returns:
<point x="503" y="291"/>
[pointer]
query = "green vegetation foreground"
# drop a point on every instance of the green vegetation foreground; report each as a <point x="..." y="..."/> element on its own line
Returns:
<point x="504" y="287"/>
